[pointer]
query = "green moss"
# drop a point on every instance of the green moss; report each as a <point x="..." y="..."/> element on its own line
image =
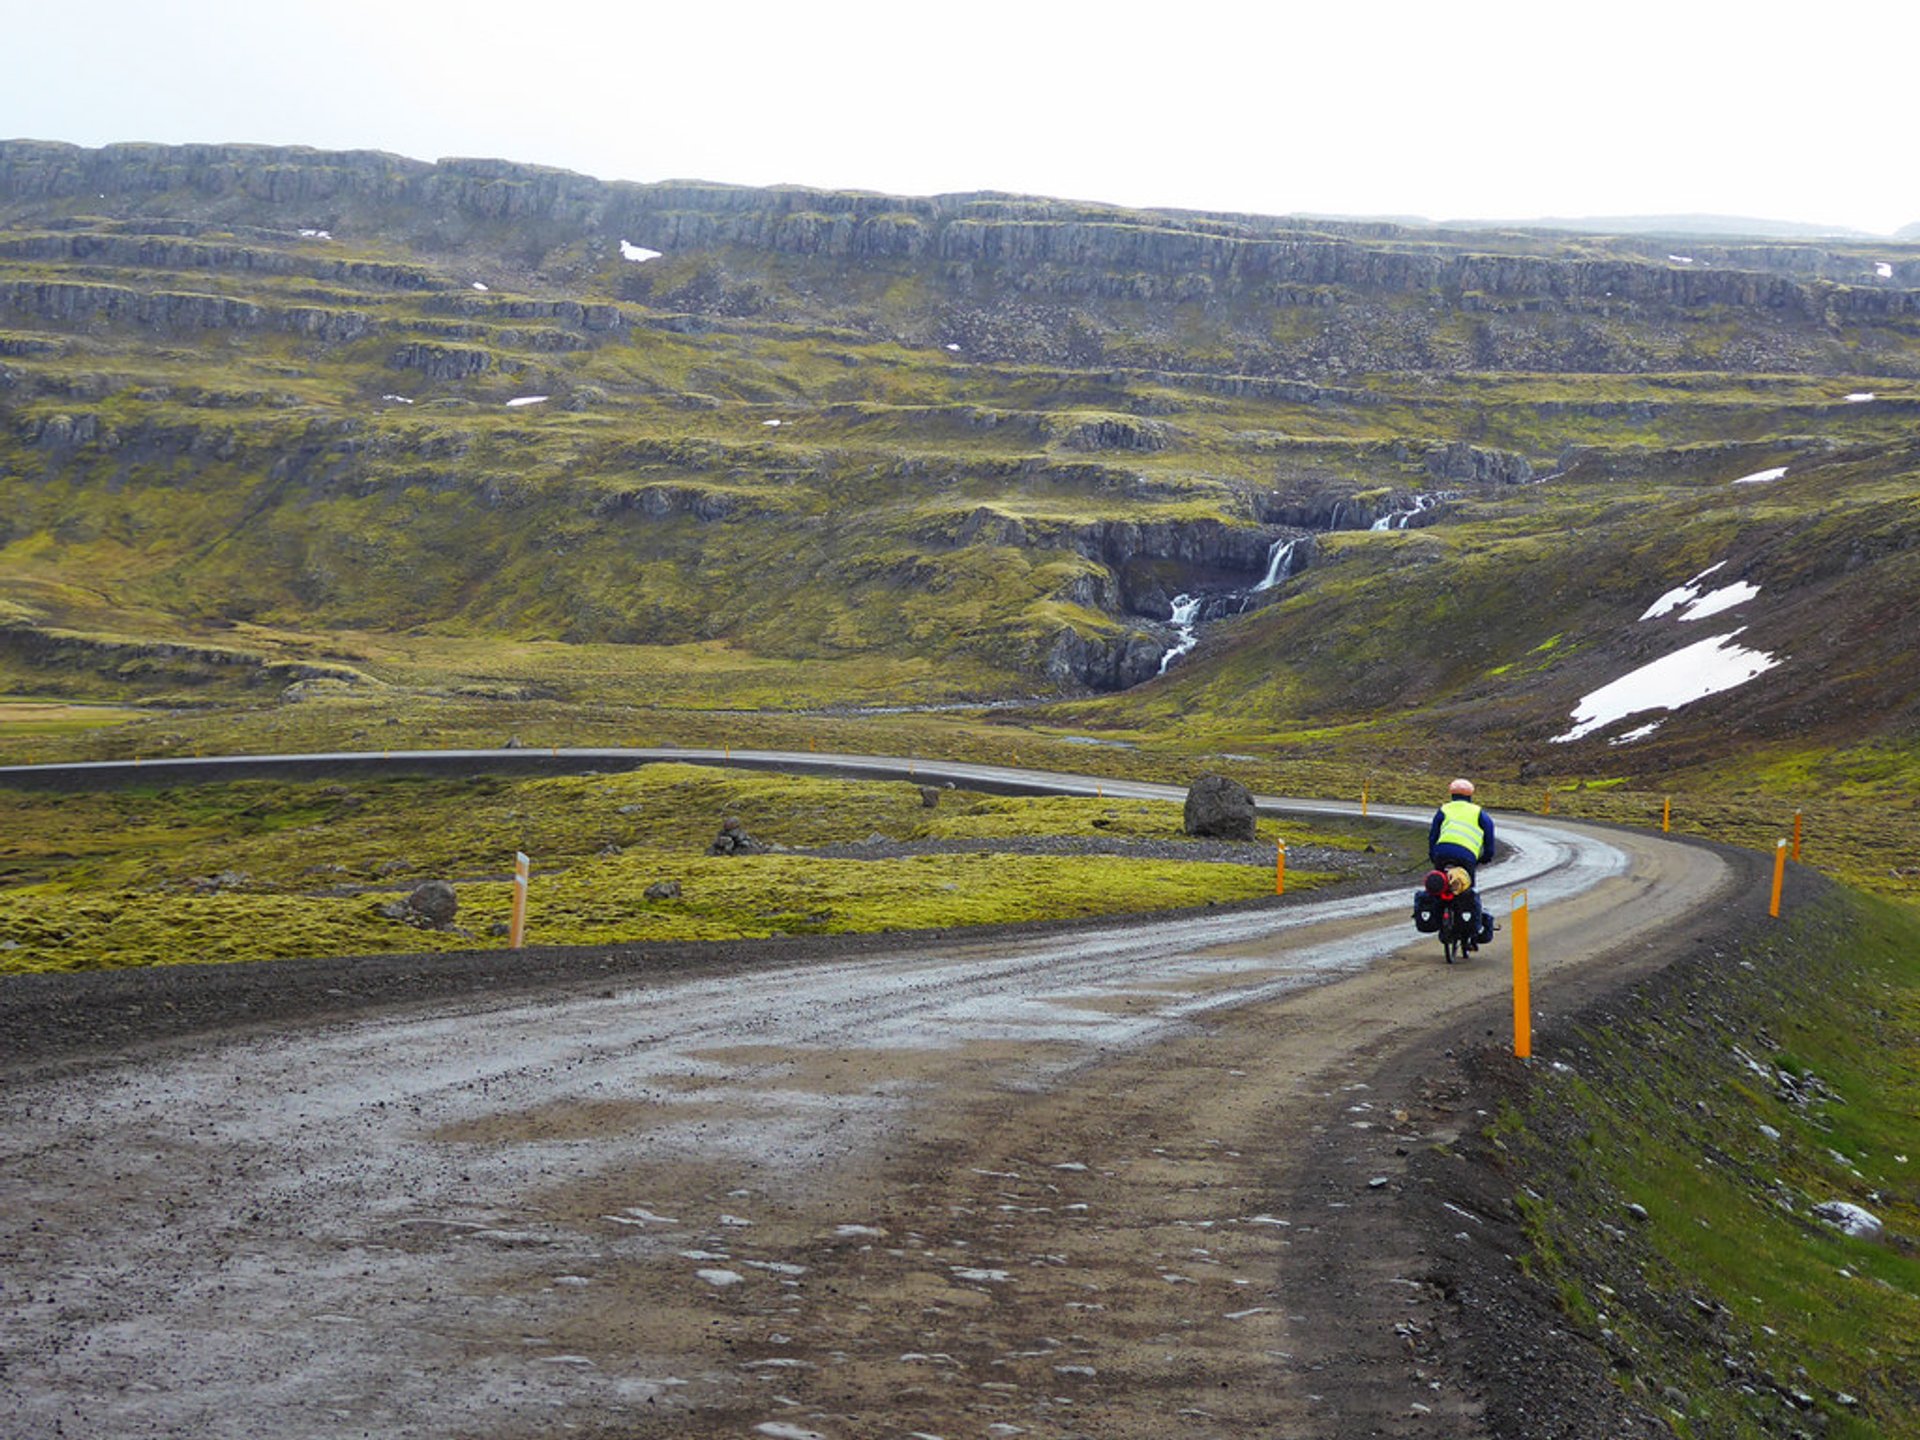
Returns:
<point x="265" y="869"/>
<point x="1727" y="1169"/>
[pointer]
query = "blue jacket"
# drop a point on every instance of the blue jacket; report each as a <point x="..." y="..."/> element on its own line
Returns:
<point x="1486" y="831"/>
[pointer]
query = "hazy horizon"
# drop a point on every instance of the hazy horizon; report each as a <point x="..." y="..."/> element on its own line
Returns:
<point x="1489" y="111"/>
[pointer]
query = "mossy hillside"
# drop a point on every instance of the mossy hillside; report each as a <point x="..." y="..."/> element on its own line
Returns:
<point x="1738" y="1095"/>
<point x="1503" y="616"/>
<point x="262" y="870"/>
<point x="886" y="437"/>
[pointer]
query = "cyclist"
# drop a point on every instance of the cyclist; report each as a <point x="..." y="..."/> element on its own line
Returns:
<point x="1461" y="833"/>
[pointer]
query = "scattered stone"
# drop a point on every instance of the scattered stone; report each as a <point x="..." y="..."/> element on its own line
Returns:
<point x="434" y="902"/>
<point x="929" y="796"/>
<point x="500" y="929"/>
<point x="664" y="890"/>
<point x="607" y="852"/>
<point x="1638" y="1211"/>
<point x="1219" y="808"/>
<point x="514" y="742"/>
<point x="1850" y="1219"/>
<point x="734" y="840"/>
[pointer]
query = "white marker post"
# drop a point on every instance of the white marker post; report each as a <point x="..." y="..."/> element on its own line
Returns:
<point x="517" y="927"/>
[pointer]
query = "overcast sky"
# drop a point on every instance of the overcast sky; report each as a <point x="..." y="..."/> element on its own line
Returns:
<point x="1481" y="109"/>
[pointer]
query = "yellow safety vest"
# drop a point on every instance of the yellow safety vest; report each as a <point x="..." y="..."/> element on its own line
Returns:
<point x="1460" y="825"/>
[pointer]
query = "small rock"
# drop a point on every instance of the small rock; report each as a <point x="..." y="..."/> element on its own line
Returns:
<point x="1638" y="1211"/>
<point x="434" y="902"/>
<point x="929" y="796"/>
<point x="734" y="840"/>
<point x="664" y="890"/>
<point x="514" y="742"/>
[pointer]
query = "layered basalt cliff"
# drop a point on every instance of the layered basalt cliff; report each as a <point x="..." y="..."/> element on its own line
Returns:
<point x="291" y="185"/>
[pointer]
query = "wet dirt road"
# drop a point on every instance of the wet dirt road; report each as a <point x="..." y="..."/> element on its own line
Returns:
<point x="1055" y="1187"/>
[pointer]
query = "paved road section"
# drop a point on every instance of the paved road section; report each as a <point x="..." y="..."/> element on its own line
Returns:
<point x="949" y="1190"/>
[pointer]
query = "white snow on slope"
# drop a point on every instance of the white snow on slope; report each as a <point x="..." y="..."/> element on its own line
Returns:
<point x="639" y="254"/>
<point x="1761" y="477"/>
<point x="1715" y="601"/>
<point x="1704" y="668"/>
<point x="1883" y="269"/>
<point x="529" y="400"/>
<point x="1858" y="397"/>
<point x="1682" y="595"/>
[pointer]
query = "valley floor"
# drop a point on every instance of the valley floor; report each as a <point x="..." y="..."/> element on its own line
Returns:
<point x="1123" y="1178"/>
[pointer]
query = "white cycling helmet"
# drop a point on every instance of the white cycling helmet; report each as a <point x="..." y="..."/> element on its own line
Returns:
<point x="1460" y="787"/>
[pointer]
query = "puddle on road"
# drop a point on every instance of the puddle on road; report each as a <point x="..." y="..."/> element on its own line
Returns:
<point x="571" y="1119"/>
<point x="879" y="1069"/>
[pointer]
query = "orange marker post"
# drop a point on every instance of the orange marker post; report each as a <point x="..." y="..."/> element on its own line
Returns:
<point x="1280" y="868"/>
<point x="1546" y="803"/>
<point x="517" y="927"/>
<point x="1779" y="877"/>
<point x="1666" y="816"/>
<point x="1522" y="980"/>
<point x="1796" y="836"/>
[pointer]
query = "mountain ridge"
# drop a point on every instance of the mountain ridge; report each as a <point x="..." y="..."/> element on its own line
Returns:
<point x="989" y="439"/>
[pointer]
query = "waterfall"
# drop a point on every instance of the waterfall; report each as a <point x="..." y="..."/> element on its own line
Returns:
<point x="1185" y="609"/>
<point x="1279" y="564"/>
<point x="1418" y="504"/>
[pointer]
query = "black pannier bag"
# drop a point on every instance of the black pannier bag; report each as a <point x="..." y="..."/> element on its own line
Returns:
<point x="1426" y="912"/>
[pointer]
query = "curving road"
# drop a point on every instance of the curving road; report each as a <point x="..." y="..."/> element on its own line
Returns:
<point x="956" y="1189"/>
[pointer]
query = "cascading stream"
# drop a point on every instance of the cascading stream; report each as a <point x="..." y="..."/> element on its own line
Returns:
<point x="1186" y="610"/>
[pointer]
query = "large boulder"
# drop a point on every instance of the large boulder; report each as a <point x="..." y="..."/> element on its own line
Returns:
<point x="1220" y="809"/>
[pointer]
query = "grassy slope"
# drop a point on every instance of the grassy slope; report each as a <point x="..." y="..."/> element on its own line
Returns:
<point x="1728" y="1100"/>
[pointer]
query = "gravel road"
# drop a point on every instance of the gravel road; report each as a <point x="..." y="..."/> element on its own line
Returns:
<point x="1074" y="1183"/>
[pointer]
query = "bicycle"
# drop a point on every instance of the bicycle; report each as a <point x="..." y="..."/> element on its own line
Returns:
<point x="1459" y="920"/>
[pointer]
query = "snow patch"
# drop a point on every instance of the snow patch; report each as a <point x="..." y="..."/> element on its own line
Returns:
<point x="1680" y="595"/>
<point x="1762" y="477"/>
<point x="1632" y="735"/>
<point x="1681" y="259"/>
<point x="326" y="235"/>
<point x="952" y="346"/>
<point x="530" y="400"/>
<point x="1704" y="668"/>
<point x="1715" y="601"/>
<point x="720" y="1279"/>
<point x="478" y="286"/>
<point x="1850" y="1218"/>
<point x="639" y="254"/>
<point x="1858" y="397"/>
<point x="397" y="399"/>
<point x="1882" y="269"/>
